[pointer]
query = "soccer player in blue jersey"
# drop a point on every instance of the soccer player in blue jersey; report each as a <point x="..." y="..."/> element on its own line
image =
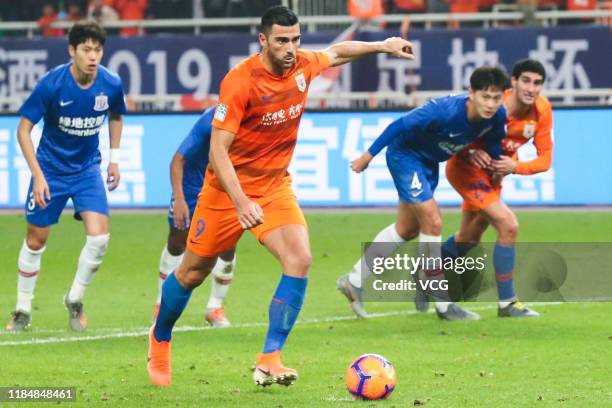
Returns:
<point x="187" y="177"/>
<point x="74" y="100"/>
<point x="417" y="142"/>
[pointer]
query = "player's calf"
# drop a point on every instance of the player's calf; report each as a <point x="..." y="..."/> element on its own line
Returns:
<point x="28" y="271"/>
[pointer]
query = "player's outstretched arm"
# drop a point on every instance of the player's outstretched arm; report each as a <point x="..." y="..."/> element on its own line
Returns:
<point x="40" y="188"/>
<point x="115" y="127"/>
<point x="249" y="212"/>
<point x="394" y="129"/>
<point x="348" y="51"/>
<point x="180" y="207"/>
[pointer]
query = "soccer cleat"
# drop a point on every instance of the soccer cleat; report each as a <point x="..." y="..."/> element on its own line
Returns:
<point x="158" y="361"/>
<point x="76" y="318"/>
<point x="20" y="321"/>
<point x="454" y="312"/>
<point x="216" y="317"/>
<point x="270" y="370"/>
<point x="353" y="294"/>
<point x="516" y="309"/>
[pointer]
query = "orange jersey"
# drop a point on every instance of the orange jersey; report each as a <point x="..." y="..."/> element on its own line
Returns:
<point x="535" y="124"/>
<point x="263" y="111"/>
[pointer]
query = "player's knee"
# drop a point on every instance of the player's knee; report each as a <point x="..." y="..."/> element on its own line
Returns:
<point x="512" y="227"/>
<point x="29" y="258"/>
<point x="462" y="237"/>
<point x="432" y="225"/>
<point x="508" y="229"/>
<point x="409" y="233"/>
<point x="35" y="242"/>
<point x="176" y="248"/>
<point x="298" y="263"/>
<point x="191" y="278"/>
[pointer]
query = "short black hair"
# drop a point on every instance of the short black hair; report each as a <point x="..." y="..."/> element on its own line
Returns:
<point x="487" y="77"/>
<point x="528" y="65"/>
<point x="280" y="15"/>
<point x="86" y="30"/>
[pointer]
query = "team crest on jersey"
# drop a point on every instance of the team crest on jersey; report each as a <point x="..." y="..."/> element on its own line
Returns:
<point x="529" y="129"/>
<point x="301" y="81"/>
<point x="101" y="103"/>
<point x="221" y="112"/>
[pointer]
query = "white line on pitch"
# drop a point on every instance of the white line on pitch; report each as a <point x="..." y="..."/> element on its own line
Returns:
<point x="144" y="330"/>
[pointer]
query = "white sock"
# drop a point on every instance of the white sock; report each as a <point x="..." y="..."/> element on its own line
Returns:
<point x="503" y="304"/>
<point x="27" y="274"/>
<point x="388" y="234"/>
<point x="442" y="306"/>
<point x="167" y="263"/>
<point x="431" y="247"/>
<point x="222" y="274"/>
<point x="89" y="262"/>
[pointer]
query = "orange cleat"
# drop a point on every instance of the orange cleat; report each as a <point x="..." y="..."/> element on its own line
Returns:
<point x="158" y="365"/>
<point x="270" y="370"/>
<point x="216" y="317"/>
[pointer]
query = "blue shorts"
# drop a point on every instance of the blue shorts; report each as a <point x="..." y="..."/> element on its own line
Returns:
<point x="86" y="189"/>
<point x="192" y="200"/>
<point x="415" y="179"/>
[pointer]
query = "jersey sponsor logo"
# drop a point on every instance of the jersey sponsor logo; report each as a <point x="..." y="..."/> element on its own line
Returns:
<point x="101" y="103"/>
<point x="221" y="112"/>
<point x="65" y="103"/>
<point x="282" y="115"/>
<point x="529" y="129"/>
<point x="301" y="81"/>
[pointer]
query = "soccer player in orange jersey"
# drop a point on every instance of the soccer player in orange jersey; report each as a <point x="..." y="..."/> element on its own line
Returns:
<point x="529" y="118"/>
<point x="247" y="185"/>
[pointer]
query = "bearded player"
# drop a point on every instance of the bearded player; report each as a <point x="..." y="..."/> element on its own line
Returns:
<point x="247" y="185"/>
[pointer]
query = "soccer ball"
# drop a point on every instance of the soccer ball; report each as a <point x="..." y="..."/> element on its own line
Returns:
<point x="370" y="377"/>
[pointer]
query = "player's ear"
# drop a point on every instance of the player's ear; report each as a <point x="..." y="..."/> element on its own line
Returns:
<point x="71" y="50"/>
<point x="263" y="40"/>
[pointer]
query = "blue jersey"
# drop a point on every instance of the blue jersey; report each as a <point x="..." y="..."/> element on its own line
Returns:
<point x="73" y="118"/>
<point x="194" y="149"/>
<point x="439" y="129"/>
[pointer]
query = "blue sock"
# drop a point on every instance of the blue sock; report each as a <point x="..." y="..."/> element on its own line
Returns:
<point x="284" y="310"/>
<point x="173" y="302"/>
<point x="503" y="261"/>
<point x="452" y="249"/>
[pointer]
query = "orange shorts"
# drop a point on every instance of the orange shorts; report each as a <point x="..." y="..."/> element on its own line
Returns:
<point x="472" y="183"/>
<point x="215" y="227"/>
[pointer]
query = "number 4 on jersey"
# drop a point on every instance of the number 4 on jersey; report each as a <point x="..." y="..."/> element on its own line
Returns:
<point x="416" y="184"/>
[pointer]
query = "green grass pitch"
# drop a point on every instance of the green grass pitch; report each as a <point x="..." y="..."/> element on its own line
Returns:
<point x="562" y="359"/>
